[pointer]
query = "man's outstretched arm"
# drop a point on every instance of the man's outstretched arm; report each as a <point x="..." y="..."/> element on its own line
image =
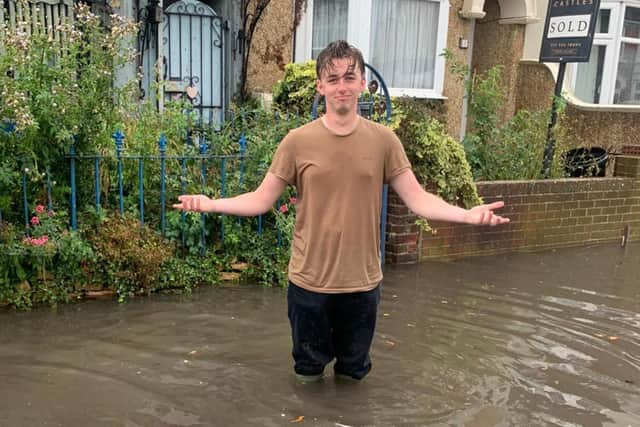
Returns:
<point x="248" y="204"/>
<point x="429" y="206"/>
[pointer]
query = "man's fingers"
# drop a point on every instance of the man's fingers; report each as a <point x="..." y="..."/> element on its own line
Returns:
<point x="188" y="203"/>
<point x="485" y="217"/>
<point x="494" y="205"/>
<point x="497" y="220"/>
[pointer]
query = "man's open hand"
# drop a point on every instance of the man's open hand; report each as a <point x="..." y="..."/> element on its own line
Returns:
<point x="194" y="203"/>
<point x="483" y="215"/>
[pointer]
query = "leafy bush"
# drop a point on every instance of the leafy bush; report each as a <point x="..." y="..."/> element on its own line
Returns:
<point x="49" y="265"/>
<point x="440" y="162"/>
<point x="189" y="272"/>
<point x="499" y="149"/>
<point x="57" y="92"/>
<point x="297" y="89"/>
<point x="61" y="90"/>
<point x="130" y="257"/>
<point x="511" y="150"/>
<point x="516" y="151"/>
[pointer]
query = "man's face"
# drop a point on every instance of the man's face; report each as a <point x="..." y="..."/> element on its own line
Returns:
<point x="341" y="84"/>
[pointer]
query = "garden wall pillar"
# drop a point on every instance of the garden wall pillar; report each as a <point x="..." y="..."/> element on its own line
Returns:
<point x="627" y="166"/>
<point x="402" y="232"/>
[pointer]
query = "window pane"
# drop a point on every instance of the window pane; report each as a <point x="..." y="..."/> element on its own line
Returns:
<point x="403" y="42"/>
<point x="329" y="23"/>
<point x="631" y="22"/>
<point x="602" y="23"/>
<point x="589" y="76"/>
<point x="627" y="88"/>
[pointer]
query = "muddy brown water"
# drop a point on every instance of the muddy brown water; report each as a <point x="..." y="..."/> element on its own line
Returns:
<point x="537" y="339"/>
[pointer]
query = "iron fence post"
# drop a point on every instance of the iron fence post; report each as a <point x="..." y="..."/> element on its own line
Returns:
<point x="223" y="173"/>
<point x="383" y="222"/>
<point x="183" y="190"/>
<point x="162" y="143"/>
<point x="24" y="199"/>
<point x="49" y="201"/>
<point x="74" y="213"/>
<point x="278" y="232"/>
<point x="141" y="188"/>
<point x="118" y="137"/>
<point x="203" y="177"/>
<point x="243" y="150"/>
<point x="96" y="173"/>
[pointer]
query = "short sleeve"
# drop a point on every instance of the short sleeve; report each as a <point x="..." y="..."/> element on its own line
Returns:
<point x="395" y="160"/>
<point x="283" y="164"/>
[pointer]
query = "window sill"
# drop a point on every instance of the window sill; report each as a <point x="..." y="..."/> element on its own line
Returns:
<point x="610" y="108"/>
<point x="416" y="93"/>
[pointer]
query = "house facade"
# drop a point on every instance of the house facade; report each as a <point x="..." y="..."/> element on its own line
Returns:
<point x="404" y="41"/>
<point x="198" y="47"/>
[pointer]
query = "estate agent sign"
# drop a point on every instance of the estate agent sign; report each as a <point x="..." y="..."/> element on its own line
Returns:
<point x="568" y="30"/>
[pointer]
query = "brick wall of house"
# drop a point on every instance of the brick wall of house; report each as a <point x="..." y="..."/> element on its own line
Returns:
<point x="544" y="214"/>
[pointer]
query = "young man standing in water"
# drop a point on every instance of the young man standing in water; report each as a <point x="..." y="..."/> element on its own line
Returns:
<point x="338" y="164"/>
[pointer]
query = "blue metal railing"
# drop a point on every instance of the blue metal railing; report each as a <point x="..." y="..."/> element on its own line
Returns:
<point x="203" y="158"/>
<point x="76" y="160"/>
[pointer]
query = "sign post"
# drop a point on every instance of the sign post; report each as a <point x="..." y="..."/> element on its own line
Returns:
<point x="568" y="36"/>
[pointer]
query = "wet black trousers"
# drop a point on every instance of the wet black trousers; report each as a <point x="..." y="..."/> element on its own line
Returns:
<point x="328" y="326"/>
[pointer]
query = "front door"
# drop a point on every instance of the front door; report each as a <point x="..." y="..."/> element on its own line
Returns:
<point x="192" y="42"/>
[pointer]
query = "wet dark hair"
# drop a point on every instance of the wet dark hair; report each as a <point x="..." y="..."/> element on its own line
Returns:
<point x="338" y="49"/>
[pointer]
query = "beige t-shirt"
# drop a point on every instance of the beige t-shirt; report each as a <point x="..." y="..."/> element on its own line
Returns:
<point x="339" y="182"/>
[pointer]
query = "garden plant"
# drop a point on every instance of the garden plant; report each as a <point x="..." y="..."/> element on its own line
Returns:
<point x="63" y="96"/>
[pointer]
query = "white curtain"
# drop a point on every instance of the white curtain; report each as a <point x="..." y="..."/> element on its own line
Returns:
<point x="589" y="76"/>
<point x="627" y="89"/>
<point x="403" y="41"/>
<point x="329" y="23"/>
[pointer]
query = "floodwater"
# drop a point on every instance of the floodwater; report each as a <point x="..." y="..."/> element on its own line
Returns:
<point x="536" y="339"/>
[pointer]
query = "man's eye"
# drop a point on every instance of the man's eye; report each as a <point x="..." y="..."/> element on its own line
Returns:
<point x="332" y="81"/>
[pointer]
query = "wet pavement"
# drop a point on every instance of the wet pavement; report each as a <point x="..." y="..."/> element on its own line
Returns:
<point x="537" y="339"/>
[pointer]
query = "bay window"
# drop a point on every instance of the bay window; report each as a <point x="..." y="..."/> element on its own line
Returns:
<point x="402" y="39"/>
<point x="612" y="75"/>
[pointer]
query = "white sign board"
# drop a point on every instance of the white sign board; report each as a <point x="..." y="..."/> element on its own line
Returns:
<point x="569" y="26"/>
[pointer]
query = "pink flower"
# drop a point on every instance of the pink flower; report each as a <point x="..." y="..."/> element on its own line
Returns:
<point x="284" y="209"/>
<point x="293" y="200"/>
<point x="39" y="209"/>
<point x="27" y="240"/>
<point x="35" y="220"/>
<point x="40" y="241"/>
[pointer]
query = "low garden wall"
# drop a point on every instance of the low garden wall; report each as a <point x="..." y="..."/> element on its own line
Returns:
<point x="544" y="214"/>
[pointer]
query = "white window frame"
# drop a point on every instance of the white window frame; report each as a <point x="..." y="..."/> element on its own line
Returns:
<point x="613" y="41"/>
<point x="359" y="32"/>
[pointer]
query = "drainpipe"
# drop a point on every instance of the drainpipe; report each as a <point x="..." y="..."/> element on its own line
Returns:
<point x="160" y="57"/>
<point x="465" y="100"/>
<point x="294" y="31"/>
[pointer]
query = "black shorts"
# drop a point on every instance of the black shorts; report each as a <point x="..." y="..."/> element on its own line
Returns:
<point x="328" y="326"/>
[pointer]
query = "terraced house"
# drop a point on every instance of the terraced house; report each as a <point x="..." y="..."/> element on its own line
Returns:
<point x="213" y="50"/>
<point x="207" y="45"/>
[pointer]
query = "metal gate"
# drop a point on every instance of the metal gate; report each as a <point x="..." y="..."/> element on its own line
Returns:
<point x="192" y="42"/>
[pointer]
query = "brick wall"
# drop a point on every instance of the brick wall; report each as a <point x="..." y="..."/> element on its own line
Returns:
<point x="544" y="214"/>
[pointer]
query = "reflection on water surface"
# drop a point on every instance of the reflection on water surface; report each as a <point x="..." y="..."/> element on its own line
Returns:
<point x="548" y="338"/>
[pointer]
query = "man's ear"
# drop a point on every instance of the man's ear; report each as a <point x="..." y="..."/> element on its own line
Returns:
<point x="319" y="87"/>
